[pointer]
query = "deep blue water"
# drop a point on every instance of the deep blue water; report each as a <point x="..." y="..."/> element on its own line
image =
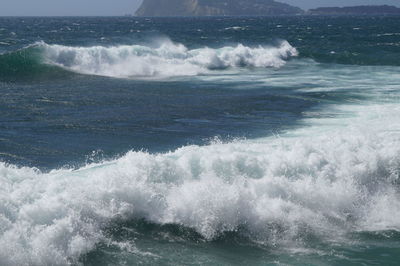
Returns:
<point x="46" y="124"/>
<point x="178" y="141"/>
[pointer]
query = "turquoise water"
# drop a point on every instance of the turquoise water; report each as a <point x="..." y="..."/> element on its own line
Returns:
<point x="186" y="141"/>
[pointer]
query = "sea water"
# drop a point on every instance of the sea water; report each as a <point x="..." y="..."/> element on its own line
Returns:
<point x="187" y="141"/>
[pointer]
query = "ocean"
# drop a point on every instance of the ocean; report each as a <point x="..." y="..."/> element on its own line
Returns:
<point x="200" y="141"/>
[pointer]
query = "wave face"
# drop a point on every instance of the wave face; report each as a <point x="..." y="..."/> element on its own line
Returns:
<point x="322" y="181"/>
<point x="167" y="59"/>
<point x="26" y="63"/>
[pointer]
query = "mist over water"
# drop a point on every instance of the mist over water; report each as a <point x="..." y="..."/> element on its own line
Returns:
<point x="254" y="141"/>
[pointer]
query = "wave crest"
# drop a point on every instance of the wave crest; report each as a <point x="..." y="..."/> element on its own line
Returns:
<point x="168" y="59"/>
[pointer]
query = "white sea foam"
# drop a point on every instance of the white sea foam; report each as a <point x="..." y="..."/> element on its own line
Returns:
<point x="323" y="179"/>
<point x="165" y="60"/>
<point x="236" y="28"/>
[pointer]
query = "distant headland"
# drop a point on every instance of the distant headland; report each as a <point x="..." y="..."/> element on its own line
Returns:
<point x="153" y="8"/>
<point x="188" y="8"/>
<point x="356" y="10"/>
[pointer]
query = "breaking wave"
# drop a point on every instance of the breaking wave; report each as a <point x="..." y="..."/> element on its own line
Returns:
<point x="166" y="59"/>
<point x="323" y="181"/>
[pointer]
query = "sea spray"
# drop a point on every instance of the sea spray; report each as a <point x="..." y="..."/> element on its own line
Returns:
<point x="135" y="61"/>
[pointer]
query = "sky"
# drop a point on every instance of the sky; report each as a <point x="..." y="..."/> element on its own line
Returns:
<point x="122" y="7"/>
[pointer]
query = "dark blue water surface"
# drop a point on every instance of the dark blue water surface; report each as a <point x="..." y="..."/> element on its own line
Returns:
<point x="61" y="121"/>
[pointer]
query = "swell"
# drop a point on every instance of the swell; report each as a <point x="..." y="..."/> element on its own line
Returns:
<point x="373" y="56"/>
<point x="164" y="59"/>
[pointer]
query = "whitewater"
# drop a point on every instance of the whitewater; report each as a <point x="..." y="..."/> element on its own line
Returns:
<point x="188" y="150"/>
<point x="321" y="181"/>
<point x="164" y="60"/>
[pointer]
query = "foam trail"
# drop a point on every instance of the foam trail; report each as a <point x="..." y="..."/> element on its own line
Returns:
<point x="166" y="60"/>
<point x="323" y="180"/>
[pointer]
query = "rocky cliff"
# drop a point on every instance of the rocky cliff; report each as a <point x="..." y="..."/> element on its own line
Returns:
<point x="153" y="8"/>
